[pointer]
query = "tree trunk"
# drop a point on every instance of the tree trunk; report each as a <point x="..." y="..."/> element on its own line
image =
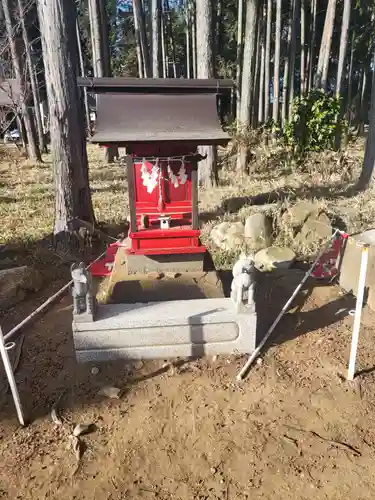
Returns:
<point x="103" y="18"/>
<point x="239" y="59"/>
<point x="83" y="73"/>
<point x="247" y="76"/>
<point x="96" y="43"/>
<point x="100" y="52"/>
<point x="350" y="82"/>
<point x="286" y="78"/>
<point x="164" y="46"/>
<point x="303" y="41"/>
<point x="156" y="23"/>
<point x="340" y="65"/>
<point x="205" y="69"/>
<point x="171" y="39"/>
<point x="325" y="47"/>
<point x="254" y="97"/>
<point x="138" y="47"/>
<point x="267" y="62"/>
<point x="311" y="53"/>
<point x="363" y="103"/>
<point x="69" y="156"/>
<point x="366" y="177"/>
<point x="219" y="28"/>
<point x="33" y="150"/>
<point x="262" y="56"/>
<point x="140" y="27"/>
<point x="194" y="43"/>
<point x="99" y="38"/>
<point x="276" y="74"/>
<point x="33" y="80"/>
<point x="187" y="39"/>
<point x="292" y="57"/>
<point x="343" y="45"/>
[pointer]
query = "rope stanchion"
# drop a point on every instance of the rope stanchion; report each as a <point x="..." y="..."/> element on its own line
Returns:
<point x="257" y="351"/>
<point x="358" y="311"/>
<point x="11" y="380"/>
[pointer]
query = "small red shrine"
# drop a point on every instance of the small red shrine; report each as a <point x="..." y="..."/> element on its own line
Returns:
<point x="161" y="123"/>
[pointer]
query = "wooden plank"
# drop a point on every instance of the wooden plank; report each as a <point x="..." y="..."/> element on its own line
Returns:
<point x="131" y="189"/>
<point x="194" y="197"/>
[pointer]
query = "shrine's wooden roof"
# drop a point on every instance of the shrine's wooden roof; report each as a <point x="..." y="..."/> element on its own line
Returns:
<point x="155" y="85"/>
<point x="128" y="118"/>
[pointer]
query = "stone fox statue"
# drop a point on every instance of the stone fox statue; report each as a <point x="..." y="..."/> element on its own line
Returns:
<point x="242" y="289"/>
<point x="81" y="291"/>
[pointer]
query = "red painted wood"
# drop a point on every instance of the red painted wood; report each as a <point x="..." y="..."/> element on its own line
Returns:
<point x="103" y="267"/>
<point x="165" y="199"/>
<point x="168" y="251"/>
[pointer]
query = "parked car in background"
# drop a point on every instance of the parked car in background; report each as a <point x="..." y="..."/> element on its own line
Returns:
<point x="12" y="135"/>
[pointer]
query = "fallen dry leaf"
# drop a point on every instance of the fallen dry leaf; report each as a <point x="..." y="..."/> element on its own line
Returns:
<point x="110" y="392"/>
<point x="81" y="429"/>
<point x="76" y="446"/>
<point x="56" y="417"/>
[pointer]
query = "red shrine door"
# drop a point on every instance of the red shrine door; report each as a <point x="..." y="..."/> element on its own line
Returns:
<point x="163" y="188"/>
<point x="163" y="199"/>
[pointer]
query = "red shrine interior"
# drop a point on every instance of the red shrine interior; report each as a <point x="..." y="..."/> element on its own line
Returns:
<point x="162" y="186"/>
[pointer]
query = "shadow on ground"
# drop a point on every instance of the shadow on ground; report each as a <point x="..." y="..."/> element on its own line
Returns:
<point x="236" y="203"/>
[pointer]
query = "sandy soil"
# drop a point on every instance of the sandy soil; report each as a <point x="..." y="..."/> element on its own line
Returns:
<point x="294" y="429"/>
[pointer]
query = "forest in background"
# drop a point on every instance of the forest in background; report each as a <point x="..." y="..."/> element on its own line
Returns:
<point x="302" y="69"/>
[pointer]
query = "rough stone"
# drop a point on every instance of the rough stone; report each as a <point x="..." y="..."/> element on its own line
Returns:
<point x="258" y="231"/>
<point x="315" y="229"/>
<point x="351" y="262"/>
<point x="227" y="235"/>
<point x="274" y="257"/>
<point x="15" y="283"/>
<point x="300" y="212"/>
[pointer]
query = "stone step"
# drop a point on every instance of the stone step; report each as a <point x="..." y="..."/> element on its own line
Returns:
<point x="171" y="329"/>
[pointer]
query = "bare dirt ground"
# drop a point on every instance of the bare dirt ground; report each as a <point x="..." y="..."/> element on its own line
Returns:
<point x="293" y="429"/>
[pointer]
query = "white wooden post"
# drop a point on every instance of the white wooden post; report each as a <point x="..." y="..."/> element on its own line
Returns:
<point x="11" y="379"/>
<point x="358" y="311"/>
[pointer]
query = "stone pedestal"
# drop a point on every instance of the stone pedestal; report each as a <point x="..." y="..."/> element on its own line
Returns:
<point x="183" y="328"/>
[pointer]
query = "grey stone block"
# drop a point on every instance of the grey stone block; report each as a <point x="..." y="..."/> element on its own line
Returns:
<point x="164" y="263"/>
<point x="165" y="330"/>
<point x="351" y="263"/>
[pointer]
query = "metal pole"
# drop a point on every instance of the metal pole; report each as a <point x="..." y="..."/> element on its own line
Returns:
<point x="358" y="311"/>
<point x="11" y="379"/>
<point x="255" y="354"/>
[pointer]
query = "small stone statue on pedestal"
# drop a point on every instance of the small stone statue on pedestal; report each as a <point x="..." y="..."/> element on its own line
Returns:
<point x="242" y="288"/>
<point x="84" y="304"/>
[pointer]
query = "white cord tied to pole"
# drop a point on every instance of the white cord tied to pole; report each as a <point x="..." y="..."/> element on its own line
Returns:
<point x="358" y="311"/>
<point x="255" y="354"/>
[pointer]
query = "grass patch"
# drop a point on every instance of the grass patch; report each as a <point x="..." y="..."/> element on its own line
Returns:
<point x="27" y="195"/>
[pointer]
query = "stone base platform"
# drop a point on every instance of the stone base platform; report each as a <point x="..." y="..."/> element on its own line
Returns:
<point x="180" y="328"/>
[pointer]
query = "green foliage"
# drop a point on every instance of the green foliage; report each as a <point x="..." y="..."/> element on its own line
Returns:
<point x="315" y="122"/>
